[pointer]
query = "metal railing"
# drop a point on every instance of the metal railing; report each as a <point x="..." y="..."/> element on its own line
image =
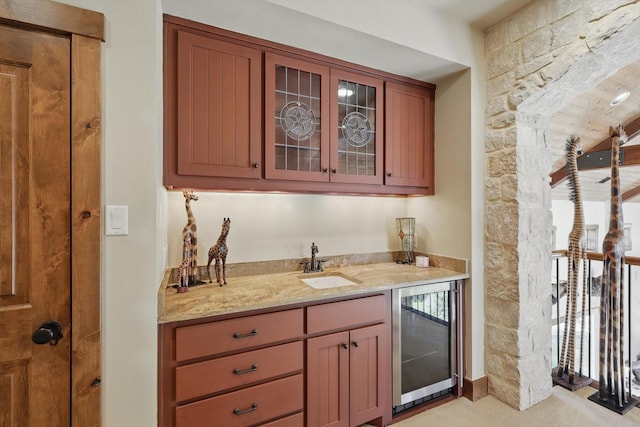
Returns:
<point x="590" y="356"/>
<point x="433" y="306"/>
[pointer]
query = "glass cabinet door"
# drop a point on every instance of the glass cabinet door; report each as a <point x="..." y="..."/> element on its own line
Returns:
<point x="356" y="128"/>
<point x="322" y="125"/>
<point x="296" y="122"/>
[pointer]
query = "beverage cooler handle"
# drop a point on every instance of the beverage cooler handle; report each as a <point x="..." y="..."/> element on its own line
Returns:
<point x="459" y="293"/>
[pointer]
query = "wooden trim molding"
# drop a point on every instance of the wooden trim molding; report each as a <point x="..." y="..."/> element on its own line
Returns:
<point x="86" y="30"/>
<point x="476" y="389"/>
<point x="281" y="49"/>
<point x="52" y="17"/>
<point x="632" y="128"/>
<point x="86" y="95"/>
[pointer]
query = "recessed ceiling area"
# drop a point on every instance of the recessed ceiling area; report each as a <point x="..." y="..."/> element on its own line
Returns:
<point x="328" y="27"/>
<point x="351" y="30"/>
<point x="589" y="116"/>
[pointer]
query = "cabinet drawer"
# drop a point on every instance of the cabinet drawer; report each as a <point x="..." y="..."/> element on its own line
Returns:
<point x="245" y="407"/>
<point x="345" y="314"/>
<point x="216" y="375"/>
<point x="213" y="338"/>
<point x="295" y="420"/>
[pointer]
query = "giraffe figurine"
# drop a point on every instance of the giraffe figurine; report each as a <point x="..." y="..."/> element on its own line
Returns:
<point x="219" y="253"/>
<point x="183" y="270"/>
<point x="577" y="260"/>
<point x="191" y="228"/>
<point x="611" y="392"/>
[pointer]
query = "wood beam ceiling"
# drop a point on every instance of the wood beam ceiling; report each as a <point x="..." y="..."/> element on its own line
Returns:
<point x="628" y="195"/>
<point x="632" y="153"/>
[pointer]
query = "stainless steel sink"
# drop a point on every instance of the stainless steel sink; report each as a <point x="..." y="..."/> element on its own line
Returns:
<point x="328" y="280"/>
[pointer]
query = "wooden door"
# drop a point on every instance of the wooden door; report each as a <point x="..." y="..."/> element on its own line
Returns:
<point x="368" y="367"/>
<point x="357" y="128"/>
<point x="35" y="236"/>
<point x="409" y="136"/>
<point x="328" y="380"/>
<point x="219" y="114"/>
<point x="296" y="119"/>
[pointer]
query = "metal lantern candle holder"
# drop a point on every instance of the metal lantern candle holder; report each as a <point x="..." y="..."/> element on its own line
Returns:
<point x="406" y="238"/>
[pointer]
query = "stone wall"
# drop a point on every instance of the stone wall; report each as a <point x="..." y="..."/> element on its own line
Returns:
<point x="530" y="54"/>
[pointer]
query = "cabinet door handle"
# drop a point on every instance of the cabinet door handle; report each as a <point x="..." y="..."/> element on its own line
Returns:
<point x="325" y="170"/>
<point x="253" y="368"/>
<point x="253" y="333"/>
<point x="356" y="344"/>
<point x="239" y="411"/>
<point x="256" y="165"/>
<point x="389" y="174"/>
<point x="334" y="170"/>
<point x="345" y="346"/>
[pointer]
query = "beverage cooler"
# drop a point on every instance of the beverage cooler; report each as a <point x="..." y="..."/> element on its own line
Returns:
<point x="427" y="343"/>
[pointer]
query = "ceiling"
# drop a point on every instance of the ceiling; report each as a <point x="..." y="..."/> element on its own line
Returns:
<point x="588" y="113"/>
<point x="589" y="117"/>
<point x="478" y="13"/>
<point x="342" y="37"/>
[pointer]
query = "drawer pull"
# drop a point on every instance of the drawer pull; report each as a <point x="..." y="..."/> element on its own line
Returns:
<point x="253" y="333"/>
<point x="253" y="368"/>
<point x="239" y="411"/>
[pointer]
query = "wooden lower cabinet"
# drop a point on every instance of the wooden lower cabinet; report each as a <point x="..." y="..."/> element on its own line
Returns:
<point x="239" y="372"/>
<point x="349" y="367"/>
<point x="346" y="377"/>
<point x="369" y="362"/>
<point x="246" y="407"/>
<point x="253" y="370"/>
<point x="328" y="380"/>
<point x="295" y="420"/>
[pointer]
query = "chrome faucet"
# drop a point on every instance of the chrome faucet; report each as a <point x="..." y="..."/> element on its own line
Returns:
<point x="313" y="266"/>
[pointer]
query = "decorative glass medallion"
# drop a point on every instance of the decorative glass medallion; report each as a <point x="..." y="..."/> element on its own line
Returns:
<point x="356" y="129"/>
<point x="297" y="120"/>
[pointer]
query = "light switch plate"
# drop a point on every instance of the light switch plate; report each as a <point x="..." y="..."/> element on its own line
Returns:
<point x="117" y="220"/>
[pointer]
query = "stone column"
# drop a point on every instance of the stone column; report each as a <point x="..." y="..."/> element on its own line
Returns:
<point x="530" y="56"/>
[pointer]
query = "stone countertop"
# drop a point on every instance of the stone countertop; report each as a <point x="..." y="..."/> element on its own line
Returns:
<point x="260" y="291"/>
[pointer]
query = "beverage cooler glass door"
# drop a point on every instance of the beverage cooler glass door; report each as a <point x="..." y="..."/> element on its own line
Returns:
<point x="424" y="341"/>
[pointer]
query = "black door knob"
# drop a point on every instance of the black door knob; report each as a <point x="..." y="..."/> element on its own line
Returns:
<point x="49" y="332"/>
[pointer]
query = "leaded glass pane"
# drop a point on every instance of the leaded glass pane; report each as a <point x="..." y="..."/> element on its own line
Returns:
<point x="357" y="128"/>
<point x="297" y="119"/>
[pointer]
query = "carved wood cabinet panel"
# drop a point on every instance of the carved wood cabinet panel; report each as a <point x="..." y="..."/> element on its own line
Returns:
<point x="219" y="108"/>
<point x="409" y="136"/>
<point x="314" y="364"/>
<point x="247" y="114"/>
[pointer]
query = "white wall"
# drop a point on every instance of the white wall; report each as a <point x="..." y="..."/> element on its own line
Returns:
<point x="631" y="215"/>
<point x="444" y="221"/>
<point x="595" y="213"/>
<point x="598" y="213"/>
<point x="266" y="226"/>
<point x="282" y="226"/>
<point x="132" y="159"/>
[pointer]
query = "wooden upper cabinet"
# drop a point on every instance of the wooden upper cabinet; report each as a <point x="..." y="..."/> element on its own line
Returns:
<point x="296" y="119"/>
<point x="357" y="128"/>
<point x="219" y="93"/>
<point x="245" y="114"/>
<point x="409" y="135"/>
<point x="321" y="124"/>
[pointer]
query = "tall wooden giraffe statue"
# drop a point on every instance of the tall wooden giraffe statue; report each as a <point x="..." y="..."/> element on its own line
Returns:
<point x="183" y="270"/>
<point x="219" y="253"/>
<point x="577" y="259"/>
<point x="191" y="227"/>
<point x="611" y="391"/>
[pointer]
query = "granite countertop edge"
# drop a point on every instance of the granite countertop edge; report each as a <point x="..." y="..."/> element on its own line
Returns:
<point x="264" y="291"/>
